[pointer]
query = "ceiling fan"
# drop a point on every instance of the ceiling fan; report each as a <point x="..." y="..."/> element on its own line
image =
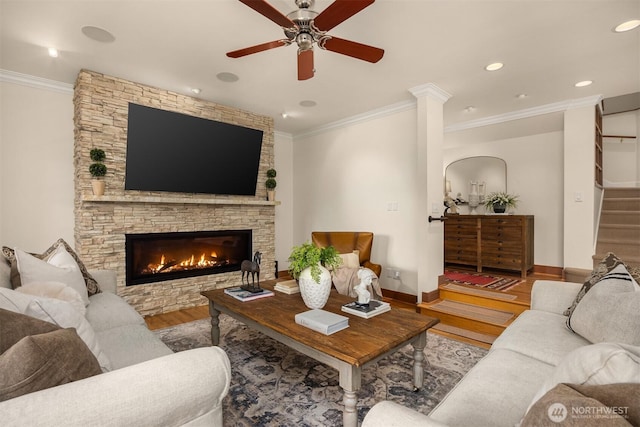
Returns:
<point x="306" y="27"/>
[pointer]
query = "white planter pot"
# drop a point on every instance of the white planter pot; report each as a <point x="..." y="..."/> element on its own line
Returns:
<point x="314" y="294"/>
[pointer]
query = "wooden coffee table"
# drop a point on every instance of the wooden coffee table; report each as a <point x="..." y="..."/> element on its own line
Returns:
<point x="365" y="341"/>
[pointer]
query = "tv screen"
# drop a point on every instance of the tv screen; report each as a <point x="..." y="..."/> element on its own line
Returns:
<point x="175" y="152"/>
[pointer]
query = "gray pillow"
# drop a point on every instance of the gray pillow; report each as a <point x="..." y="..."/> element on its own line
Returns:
<point x="610" y="311"/>
<point x="37" y="362"/>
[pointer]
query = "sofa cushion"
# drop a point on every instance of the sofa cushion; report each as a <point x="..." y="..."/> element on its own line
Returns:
<point x="608" y="263"/>
<point x="14" y="301"/>
<point x="581" y="405"/>
<point x="107" y="311"/>
<point x="495" y="392"/>
<point x="610" y="311"/>
<point x="90" y="281"/>
<point x="37" y="362"/>
<point x="130" y="344"/>
<point x="64" y="315"/>
<point x="55" y="290"/>
<point x="15" y="326"/>
<point x="60" y="267"/>
<point x="541" y="335"/>
<point x="603" y="363"/>
<point x="5" y="275"/>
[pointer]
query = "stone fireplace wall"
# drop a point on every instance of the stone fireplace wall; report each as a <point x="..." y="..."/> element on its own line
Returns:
<point x="101" y="222"/>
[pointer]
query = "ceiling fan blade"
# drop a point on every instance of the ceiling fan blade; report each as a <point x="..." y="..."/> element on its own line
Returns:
<point x="265" y="9"/>
<point x="305" y="64"/>
<point x="339" y="11"/>
<point x="255" y="49"/>
<point x="353" y="49"/>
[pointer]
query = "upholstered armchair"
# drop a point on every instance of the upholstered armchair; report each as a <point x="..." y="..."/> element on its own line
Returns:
<point x="348" y="241"/>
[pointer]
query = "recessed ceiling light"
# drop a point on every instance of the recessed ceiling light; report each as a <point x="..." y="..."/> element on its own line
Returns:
<point x="98" y="34"/>
<point x="583" y="83"/>
<point x="308" y="103"/>
<point x="470" y="109"/>
<point x="627" y="26"/>
<point x="196" y="90"/>
<point x="53" y="52"/>
<point x="494" y="67"/>
<point x="227" y="77"/>
<point x="285" y="115"/>
<point x="521" y="95"/>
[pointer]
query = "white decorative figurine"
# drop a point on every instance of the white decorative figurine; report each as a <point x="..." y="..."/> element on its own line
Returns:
<point x="366" y="276"/>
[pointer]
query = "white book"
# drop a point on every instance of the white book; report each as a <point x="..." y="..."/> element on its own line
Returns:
<point x="367" y="312"/>
<point x="289" y="291"/>
<point x="322" y="321"/>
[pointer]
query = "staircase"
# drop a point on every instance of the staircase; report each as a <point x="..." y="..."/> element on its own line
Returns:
<point x="619" y="230"/>
<point x="473" y="315"/>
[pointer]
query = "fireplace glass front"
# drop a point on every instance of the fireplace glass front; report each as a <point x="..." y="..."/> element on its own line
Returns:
<point x="155" y="257"/>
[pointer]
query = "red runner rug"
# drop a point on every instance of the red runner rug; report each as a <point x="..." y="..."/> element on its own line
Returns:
<point x="482" y="280"/>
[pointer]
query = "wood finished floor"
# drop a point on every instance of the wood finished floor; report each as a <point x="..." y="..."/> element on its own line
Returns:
<point x="165" y="320"/>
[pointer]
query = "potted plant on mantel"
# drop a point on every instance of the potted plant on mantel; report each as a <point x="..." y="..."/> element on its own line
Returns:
<point x="271" y="183"/>
<point x="501" y="201"/>
<point x="309" y="265"/>
<point x="97" y="170"/>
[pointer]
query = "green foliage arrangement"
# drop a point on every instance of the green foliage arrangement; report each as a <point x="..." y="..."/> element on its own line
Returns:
<point x="501" y="198"/>
<point x="271" y="183"/>
<point x="310" y="255"/>
<point x="97" y="169"/>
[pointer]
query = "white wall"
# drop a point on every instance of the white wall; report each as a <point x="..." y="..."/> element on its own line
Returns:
<point x="620" y="157"/>
<point x="284" y="194"/>
<point x="36" y="167"/>
<point x="535" y="173"/>
<point x="346" y="179"/>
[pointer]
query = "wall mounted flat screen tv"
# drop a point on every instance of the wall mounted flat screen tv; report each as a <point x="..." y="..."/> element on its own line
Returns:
<point x="168" y="151"/>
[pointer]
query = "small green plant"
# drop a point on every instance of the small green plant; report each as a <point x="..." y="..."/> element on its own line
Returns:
<point x="310" y="255"/>
<point x="97" y="169"/>
<point x="271" y="183"/>
<point x="501" y="198"/>
<point x="97" y="155"/>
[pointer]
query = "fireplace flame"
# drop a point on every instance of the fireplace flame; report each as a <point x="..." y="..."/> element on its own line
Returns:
<point x="203" y="262"/>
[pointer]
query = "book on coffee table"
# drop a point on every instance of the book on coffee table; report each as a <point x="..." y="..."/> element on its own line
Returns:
<point x="239" y="293"/>
<point x="322" y="321"/>
<point x="366" y="311"/>
<point x="287" y="287"/>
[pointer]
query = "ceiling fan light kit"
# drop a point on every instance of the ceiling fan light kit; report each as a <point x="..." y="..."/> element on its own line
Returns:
<point x="306" y="28"/>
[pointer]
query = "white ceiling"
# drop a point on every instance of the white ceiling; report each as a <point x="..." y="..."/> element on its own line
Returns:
<point x="546" y="47"/>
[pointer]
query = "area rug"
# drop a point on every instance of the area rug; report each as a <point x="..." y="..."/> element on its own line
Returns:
<point x="273" y="385"/>
<point x="485" y="281"/>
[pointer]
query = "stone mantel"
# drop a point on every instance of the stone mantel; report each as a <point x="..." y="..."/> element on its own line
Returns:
<point x="189" y="200"/>
<point x="102" y="222"/>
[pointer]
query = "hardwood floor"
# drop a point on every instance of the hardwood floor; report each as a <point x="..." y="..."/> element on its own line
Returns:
<point x="522" y="294"/>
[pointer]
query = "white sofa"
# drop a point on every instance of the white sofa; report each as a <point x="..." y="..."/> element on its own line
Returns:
<point x="498" y="390"/>
<point x="148" y="385"/>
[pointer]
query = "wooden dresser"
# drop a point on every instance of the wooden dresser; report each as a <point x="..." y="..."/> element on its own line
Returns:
<point x="490" y="241"/>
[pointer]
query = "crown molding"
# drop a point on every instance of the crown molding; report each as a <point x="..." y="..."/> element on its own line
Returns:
<point x="432" y="91"/>
<point x="555" y="107"/>
<point x="359" y="118"/>
<point x="35" y="82"/>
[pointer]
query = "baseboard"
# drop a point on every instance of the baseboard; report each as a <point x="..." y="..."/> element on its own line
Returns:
<point x="431" y="296"/>
<point x="400" y="296"/>
<point x="548" y="270"/>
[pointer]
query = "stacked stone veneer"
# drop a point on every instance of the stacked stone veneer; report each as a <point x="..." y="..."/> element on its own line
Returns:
<point x="100" y="118"/>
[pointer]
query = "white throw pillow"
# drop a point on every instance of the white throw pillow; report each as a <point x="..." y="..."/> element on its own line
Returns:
<point x="59" y="267"/>
<point x="14" y="301"/>
<point x="610" y="311"/>
<point x="55" y="290"/>
<point x="596" y="364"/>
<point x="350" y="260"/>
<point x="61" y="313"/>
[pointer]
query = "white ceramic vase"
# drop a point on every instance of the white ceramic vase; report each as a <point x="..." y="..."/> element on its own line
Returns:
<point x="314" y="294"/>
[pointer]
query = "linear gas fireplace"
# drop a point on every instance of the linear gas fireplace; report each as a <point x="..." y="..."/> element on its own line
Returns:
<point x="155" y="257"/>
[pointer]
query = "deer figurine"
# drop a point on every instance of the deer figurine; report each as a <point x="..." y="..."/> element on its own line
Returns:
<point x="253" y="268"/>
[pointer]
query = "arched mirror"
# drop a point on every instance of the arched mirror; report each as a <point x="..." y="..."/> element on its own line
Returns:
<point x="489" y="174"/>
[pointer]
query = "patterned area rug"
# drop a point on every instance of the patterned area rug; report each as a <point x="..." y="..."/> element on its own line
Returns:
<point x="486" y="281"/>
<point x="273" y="385"/>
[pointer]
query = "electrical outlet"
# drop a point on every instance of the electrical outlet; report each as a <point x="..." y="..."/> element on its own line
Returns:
<point x="396" y="275"/>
